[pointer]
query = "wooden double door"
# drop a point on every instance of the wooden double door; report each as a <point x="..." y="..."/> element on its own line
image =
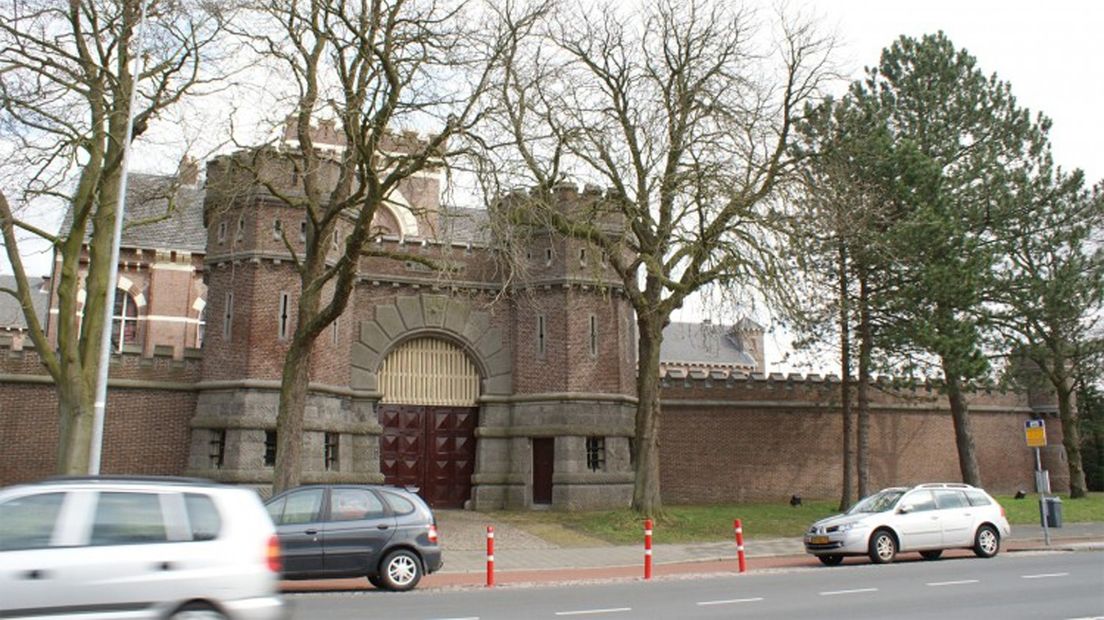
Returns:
<point x="430" y="447"/>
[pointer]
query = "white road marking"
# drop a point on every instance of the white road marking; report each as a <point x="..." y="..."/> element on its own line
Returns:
<point x="858" y="591"/>
<point x="731" y="601"/>
<point x="582" y="612"/>
<point x="1044" y="575"/>
<point x="936" y="584"/>
<point x="468" y="618"/>
<point x="1089" y="618"/>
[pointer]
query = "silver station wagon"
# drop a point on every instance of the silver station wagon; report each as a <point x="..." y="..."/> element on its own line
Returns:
<point x="927" y="518"/>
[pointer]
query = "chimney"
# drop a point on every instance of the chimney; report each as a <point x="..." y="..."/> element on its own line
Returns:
<point x="188" y="172"/>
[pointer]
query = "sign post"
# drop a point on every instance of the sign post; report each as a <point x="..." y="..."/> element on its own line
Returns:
<point x="1035" y="433"/>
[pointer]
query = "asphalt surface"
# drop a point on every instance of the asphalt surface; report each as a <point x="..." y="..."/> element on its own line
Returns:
<point x="1050" y="584"/>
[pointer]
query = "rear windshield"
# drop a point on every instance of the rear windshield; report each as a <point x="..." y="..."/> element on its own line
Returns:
<point x="978" y="498"/>
<point x="203" y="517"/>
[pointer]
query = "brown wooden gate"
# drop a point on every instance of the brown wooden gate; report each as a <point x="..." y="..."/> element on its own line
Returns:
<point x="544" y="458"/>
<point x="432" y="448"/>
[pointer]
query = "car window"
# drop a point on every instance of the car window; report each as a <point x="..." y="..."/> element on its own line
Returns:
<point x="128" y="518"/>
<point x="399" y="505"/>
<point x="919" y="500"/>
<point x="300" y="507"/>
<point x="950" y="499"/>
<point x="879" y="502"/>
<point x="203" y="516"/>
<point x="354" y="505"/>
<point x="977" y="498"/>
<point x="28" y="522"/>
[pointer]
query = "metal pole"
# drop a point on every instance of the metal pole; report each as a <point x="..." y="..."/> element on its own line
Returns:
<point x="1042" y="495"/>
<point x="100" y="404"/>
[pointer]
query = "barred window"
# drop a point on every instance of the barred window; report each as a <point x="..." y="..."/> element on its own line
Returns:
<point x="332" y="443"/>
<point x="270" y="449"/>
<point x="277" y="229"/>
<point x="593" y="336"/>
<point x="218" y="447"/>
<point x="541" y="335"/>
<point x="282" y="319"/>
<point x="227" y="315"/>
<point x="596" y="453"/>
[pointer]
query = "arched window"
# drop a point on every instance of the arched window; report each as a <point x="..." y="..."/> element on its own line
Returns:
<point x="124" y="323"/>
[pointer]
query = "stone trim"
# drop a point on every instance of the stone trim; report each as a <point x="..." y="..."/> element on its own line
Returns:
<point x="130" y="384"/>
<point x="250" y="422"/>
<point x="593" y="478"/>
<point x="274" y="386"/>
<point x="559" y="396"/>
<point x="551" y="430"/>
<point x="805" y="404"/>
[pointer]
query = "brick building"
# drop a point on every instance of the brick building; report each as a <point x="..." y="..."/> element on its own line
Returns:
<point x="478" y="397"/>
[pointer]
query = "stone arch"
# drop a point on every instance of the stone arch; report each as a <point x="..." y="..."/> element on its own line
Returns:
<point x="442" y="316"/>
<point x="400" y="208"/>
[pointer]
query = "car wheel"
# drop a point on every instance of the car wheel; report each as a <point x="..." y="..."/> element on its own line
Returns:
<point x="401" y="570"/>
<point x="986" y="542"/>
<point x="883" y="547"/>
<point x="197" y="611"/>
<point x="830" y="560"/>
<point x="931" y="555"/>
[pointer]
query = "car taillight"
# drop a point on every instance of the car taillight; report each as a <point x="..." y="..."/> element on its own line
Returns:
<point x="433" y="534"/>
<point x="272" y="554"/>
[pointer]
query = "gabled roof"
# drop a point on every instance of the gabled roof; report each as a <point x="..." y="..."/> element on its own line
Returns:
<point x="11" y="316"/>
<point x="703" y="343"/>
<point x="153" y="221"/>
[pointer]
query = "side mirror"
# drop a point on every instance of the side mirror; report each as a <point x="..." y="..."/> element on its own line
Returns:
<point x="905" y="509"/>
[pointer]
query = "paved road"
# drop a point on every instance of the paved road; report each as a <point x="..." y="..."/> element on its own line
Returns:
<point x="1025" y="585"/>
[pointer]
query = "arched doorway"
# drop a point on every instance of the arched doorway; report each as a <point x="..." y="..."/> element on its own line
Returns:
<point x="429" y="415"/>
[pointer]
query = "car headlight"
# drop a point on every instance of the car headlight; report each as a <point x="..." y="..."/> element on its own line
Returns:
<point x="846" y="527"/>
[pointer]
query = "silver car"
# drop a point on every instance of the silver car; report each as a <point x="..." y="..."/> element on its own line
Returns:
<point x="137" y="548"/>
<point x="927" y="518"/>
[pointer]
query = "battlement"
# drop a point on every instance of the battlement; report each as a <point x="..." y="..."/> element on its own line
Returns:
<point x="682" y="378"/>
<point x="18" y="356"/>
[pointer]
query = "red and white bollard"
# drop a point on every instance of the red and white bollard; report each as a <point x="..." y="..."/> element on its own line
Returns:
<point x="648" y="549"/>
<point x="490" y="556"/>
<point x="740" y="545"/>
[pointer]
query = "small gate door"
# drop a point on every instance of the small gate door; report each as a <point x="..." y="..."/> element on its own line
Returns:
<point x="544" y="455"/>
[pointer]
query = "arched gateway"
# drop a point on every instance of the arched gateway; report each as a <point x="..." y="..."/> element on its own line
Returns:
<point x="428" y="414"/>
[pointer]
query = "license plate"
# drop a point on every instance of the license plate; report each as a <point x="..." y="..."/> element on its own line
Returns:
<point x="819" y="540"/>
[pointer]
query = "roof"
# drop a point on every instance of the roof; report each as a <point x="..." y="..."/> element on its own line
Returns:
<point x="11" y="315"/>
<point x="462" y="225"/>
<point x="703" y="343"/>
<point x="152" y="221"/>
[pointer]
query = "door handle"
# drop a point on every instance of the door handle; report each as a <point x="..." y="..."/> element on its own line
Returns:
<point x="34" y="574"/>
<point x="311" y="532"/>
<point x="383" y="526"/>
<point x="165" y="566"/>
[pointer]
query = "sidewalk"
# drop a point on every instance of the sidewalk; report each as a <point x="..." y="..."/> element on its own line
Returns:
<point x="522" y="557"/>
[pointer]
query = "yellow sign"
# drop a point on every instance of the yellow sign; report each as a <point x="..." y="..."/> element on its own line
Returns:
<point x="1035" y="430"/>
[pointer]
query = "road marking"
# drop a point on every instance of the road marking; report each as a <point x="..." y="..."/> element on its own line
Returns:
<point x="936" y="584"/>
<point x="858" y="591"/>
<point x="731" y="601"/>
<point x="1045" y="575"/>
<point x="468" y="618"/>
<point x="581" y="612"/>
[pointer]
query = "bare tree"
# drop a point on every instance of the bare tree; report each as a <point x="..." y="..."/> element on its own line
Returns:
<point x="367" y="69"/>
<point x="674" y="108"/>
<point x="66" y="78"/>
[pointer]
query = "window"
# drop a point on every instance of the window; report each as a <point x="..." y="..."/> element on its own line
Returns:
<point x="203" y="517"/>
<point x="227" y="315"/>
<point x="593" y="336"/>
<point x="582" y="256"/>
<point x="282" y="319"/>
<point x="548" y="256"/>
<point x="977" y="498"/>
<point x="201" y="327"/>
<point x="124" y="324"/>
<point x="297" y="507"/>
<point x="336" y="239"/>
<point x="332" y="441"/>
<point x="270" y="449"/>
<point x="334" y="332"/>
<point x="303" y="230"/>
<point x="399" y="505"/>
<point x="950" y="499"/>
<point x="920" y="501"/>
<point x="354" y="505"/>
<point x="277" y="229"/>
<point x="222" y="231"/>
<point x="128" y="518"/>
<point x="596" y="453"/>
<point x="540" y="335"/>
<point x="218" y="447"/>
<point x="28" y="522"/>
<point x="241" y="229"/>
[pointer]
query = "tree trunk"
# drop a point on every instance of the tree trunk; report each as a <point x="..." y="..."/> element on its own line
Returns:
<point x="289" y="421"/>
<point x="848" y="491"/>
<point x="964" y="438"/>
<point x="76" y="412"/>
<point x="1071" y="439"/>
<point x="866" y="347"/>
<point x="646" y="494"/>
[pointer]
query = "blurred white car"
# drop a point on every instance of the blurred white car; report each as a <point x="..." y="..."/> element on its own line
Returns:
<point x="137" y="548"/>
<point x="927" y="518"/>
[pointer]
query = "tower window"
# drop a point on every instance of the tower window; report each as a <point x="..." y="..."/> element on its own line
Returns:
<point x="227" y="315"/>
<point x="303" y="230"/>
<point x="541" y="336"/>
<point x="218" y="447"/>
<point x="282" y="319"/>
<point x="277" y="229"/>
<point x="593" y="336"/>
<point x="596" y="453"/>
<point x="222" y="231"/>
<point x="548" y="256"/>
<point x="241" y="228"/>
